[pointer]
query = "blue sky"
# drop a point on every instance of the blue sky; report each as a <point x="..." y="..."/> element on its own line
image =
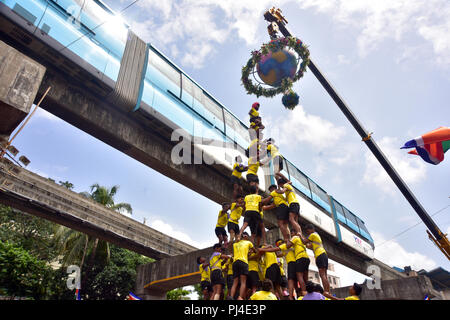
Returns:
<point x="390" y="61"/>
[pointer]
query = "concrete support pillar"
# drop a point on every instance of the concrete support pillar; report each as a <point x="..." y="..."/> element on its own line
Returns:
<point x="20" y="78"/>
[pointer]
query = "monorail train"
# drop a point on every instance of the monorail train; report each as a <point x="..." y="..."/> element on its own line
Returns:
<point x="89" y="35"/>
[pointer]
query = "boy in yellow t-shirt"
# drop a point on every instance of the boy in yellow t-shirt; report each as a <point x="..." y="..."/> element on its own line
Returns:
<point x="265" y="293"/>
<point x="227" y="269"/>
<point x="241" y="250"/>
<point x="236" y="212"/>
<point x="301" y="261"/>
<point x="252" y="215"/>
<point x="275" y="155"/>
<point x="272" y="269"/>
<point x="255" y="119"/>
<point x="236" y="176"/>
<point x="222" y="221"/>
<point x="252" y="170"/>
<point x="281" y="210"/>
<point x="314" y="242"/>
<point x="216" y="275"/>
<point x="289" y="255"/>
<point x="294" y="205"/>
<point x="205" y="281"/>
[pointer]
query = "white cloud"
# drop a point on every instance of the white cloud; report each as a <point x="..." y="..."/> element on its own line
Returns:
<point x="393" y="254"/>
<point x="200" y="24"/>
<point x="342" y="59"/>
<point x="167" y="229"/>
<point x="410" y="168"/>
<point x="376" y="21"/>
<point x="310" y="129"/>
<point x="209" y="23"/>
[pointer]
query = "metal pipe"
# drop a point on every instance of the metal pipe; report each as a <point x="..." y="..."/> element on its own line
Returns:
<point x="366" y="137"/>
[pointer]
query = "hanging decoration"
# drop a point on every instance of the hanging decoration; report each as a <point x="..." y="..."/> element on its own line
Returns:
<point x="278" y="65"/>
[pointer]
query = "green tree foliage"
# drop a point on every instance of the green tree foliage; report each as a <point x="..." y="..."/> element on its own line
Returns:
<point x="179" y="294"/>
<point x="115" y="280"/>
<point x="67" y="184"/>
<point x="29" y="244"/>
<point x="22" y="274"/>
<point x="28" y="232"/>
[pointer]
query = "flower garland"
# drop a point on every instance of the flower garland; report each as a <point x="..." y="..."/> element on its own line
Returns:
<point x="286" y="83"/>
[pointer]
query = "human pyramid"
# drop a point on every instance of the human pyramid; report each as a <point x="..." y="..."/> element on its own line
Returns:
<point x="251" y="270"/>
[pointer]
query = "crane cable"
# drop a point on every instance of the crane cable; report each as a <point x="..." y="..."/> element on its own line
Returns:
<point x="413" y="226"/>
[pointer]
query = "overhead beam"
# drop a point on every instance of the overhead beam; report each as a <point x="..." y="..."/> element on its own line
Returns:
<point x="36" y="195"/>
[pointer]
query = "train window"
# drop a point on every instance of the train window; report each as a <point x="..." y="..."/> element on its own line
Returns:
<point x="285" y="168"/>
<point x="68" y="4"/>
<point x="24" y="13"/>
<point x="363" y="230"/>
<point x="242" y="133"/>
<point x="230" y="126"/>
<point x="163" y="74"/>
<point x="340" y="212"/>
<point x="109" y="30"/>
<point x="351" y="220"/>
<point x="299" y="180"/>
<point x="319" y="196"/>
<point x="213" y="112"/>
<point x="69" y="35"/>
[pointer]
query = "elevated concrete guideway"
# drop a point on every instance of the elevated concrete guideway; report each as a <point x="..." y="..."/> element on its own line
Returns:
<point x="33" y="194"/>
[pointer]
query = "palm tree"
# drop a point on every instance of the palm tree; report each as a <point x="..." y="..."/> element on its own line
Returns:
<point x="67" y="184"/>
<point x="75" y="246"/>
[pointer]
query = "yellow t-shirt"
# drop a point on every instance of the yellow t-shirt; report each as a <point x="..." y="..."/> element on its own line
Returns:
<point x="215" y="263"/>
<point x="237" y="170"/>
<point x="228" y="266"/>
<point x="253" y="265"/>
<point x="222" y="220"/>
<point x="290" y="194"/>
<point x="273" y="151"/>
<point x="205" y="273"/>
<point x="261" y="270"/>
<point x="253" y="166"/>
<point x="278" y="198"/>
<point x="252" y="202"/>
<point x="352" y="298"/>
<point x="270" y="259"/>
<point x="288" y="253"/>
<point x="263" y="295"/>
<point x="316" y="244"/>
<point x="281" y="264"/>
<point x="299" y="248"/>
<point x="240" y="250"/>
<point x="300" y="298"/>
<point x="253" y="113"/>
<point x="236" y="213"/>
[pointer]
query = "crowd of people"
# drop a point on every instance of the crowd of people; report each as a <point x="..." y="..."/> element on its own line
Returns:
<point x="245" y="264"/>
